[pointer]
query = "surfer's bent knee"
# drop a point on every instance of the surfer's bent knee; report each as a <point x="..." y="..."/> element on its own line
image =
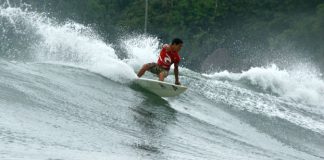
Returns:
<point x="165" y="73"/>
<point x="148" y="66"/>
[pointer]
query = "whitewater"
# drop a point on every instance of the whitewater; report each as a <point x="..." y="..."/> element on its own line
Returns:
<point x="66" y="94"/>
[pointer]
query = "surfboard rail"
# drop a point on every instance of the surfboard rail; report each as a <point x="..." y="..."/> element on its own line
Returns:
<point x="160" y="88"/>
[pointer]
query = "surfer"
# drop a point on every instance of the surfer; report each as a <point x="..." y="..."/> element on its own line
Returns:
<point x="169" y="55"/>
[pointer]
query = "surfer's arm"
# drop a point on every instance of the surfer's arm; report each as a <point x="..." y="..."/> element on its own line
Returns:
<point x="176" y="73"/>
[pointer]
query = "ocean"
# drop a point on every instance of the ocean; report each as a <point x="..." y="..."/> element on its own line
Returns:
<point x="66" y="94"/>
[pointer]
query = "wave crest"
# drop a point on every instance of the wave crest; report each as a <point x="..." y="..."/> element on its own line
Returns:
<point x="297" y="84"/>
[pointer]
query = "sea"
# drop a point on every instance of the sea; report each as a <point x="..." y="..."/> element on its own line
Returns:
<point x="67" y="94"/>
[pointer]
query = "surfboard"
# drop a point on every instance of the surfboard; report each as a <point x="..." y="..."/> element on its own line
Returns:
<point x="162" y="89"/>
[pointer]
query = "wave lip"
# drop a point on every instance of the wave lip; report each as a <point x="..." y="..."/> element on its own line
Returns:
<point x="68" y="43"/>
<point x="300" y="86"/>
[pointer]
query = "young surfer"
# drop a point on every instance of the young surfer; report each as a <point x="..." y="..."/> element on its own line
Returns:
<point x="169" y="55"/>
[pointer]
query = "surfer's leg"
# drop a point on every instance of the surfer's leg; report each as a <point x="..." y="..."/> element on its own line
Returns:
<point x="145" y="67"/>
<point x="143" y="70"/>
<point x="163" y="73"/>
<point x="161" y="76"/>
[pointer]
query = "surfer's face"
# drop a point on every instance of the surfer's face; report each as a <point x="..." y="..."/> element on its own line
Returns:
<point x="177" y="47"/>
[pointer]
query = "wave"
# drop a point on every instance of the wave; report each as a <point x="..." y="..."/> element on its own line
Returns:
<point x="305" y="86"/>
<point x="140" y="49"/>
<point x="68" y="100"/>
<point x="70" y="43"/>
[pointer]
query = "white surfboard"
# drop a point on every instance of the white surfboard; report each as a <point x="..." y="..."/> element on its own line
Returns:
<point x="162" y="89"/>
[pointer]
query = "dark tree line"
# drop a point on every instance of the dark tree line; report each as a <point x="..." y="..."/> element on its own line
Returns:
<point x="251" y="31"/>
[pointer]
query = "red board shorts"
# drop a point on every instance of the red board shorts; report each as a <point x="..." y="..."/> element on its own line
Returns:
<point x="156" y="69"/>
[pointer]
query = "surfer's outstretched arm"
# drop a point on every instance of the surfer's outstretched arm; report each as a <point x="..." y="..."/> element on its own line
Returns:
<point x="176" y="74"/>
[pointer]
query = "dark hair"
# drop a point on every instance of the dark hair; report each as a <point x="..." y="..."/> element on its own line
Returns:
<point x="177" y="41"/>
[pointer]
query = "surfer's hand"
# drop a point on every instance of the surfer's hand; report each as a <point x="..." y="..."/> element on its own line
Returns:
<point x="177" y="83"/>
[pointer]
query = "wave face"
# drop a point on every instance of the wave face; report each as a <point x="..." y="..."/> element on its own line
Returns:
<point x="67" y="94"/>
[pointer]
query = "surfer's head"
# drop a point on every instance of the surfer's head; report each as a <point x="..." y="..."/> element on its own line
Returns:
<point x="176" y="44"/>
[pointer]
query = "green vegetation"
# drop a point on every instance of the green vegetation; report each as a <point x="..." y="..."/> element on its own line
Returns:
<point x="251" y="30"/>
